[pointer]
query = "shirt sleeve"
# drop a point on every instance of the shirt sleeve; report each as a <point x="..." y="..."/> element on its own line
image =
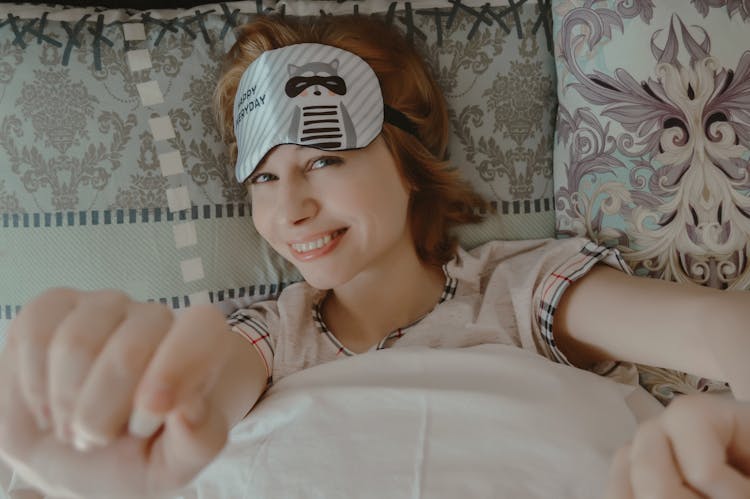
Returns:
<point x="573" y="260"/>
<point x="258" y="324"/>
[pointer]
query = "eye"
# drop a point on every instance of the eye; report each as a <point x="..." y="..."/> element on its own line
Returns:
<point x="261" y="178"/>
<point x="323" y="162"/>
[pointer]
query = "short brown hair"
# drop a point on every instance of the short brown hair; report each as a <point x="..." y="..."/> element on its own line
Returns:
<point x="441" y="198"/>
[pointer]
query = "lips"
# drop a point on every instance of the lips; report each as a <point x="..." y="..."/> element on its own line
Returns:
<point x="319" y="245"/>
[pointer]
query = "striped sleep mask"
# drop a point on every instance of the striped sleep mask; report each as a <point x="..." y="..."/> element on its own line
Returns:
<point x="308" y="94"/>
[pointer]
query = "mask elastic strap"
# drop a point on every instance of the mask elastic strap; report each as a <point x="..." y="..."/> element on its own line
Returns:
<point x="399" y="119"/>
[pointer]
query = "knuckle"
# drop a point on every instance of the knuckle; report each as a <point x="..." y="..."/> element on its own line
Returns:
<point x="157" y="314"/>
<point x="56" y="293"/>
<point x="27" y="319"/>
<point x="689" y="403"/>
<point x="42" y="302"/>
<point x="688" y="411"/>
<point x="109" y="298"/>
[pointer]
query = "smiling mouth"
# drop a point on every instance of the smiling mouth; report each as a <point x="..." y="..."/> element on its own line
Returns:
<point x="303" y="248"/>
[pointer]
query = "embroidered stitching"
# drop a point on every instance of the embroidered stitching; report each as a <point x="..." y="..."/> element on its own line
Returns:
<point x="507" y="17"/>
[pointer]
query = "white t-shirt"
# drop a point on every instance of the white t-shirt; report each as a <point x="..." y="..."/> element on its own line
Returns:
<point x="501" y="292"/>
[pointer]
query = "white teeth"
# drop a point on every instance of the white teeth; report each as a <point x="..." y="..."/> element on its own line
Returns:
<point x="305" y="247"/>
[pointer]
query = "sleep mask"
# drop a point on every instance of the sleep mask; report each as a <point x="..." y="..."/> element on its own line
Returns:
<point x="310" y="95"/>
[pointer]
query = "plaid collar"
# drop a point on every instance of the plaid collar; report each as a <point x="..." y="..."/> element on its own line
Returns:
<point x="449" y="291"/>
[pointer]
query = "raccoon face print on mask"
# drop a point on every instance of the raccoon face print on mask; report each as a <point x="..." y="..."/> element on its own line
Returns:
<point x="320" y="117"/>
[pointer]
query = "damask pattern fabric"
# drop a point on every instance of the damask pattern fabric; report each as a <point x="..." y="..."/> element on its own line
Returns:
<point x="652" y="144"/>
<point x="84" y="195"/>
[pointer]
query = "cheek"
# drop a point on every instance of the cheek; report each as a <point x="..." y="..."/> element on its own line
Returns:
<point x="260" y="221"/>
<point x="385" y="206"/>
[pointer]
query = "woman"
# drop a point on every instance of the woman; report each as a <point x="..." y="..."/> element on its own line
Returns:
<point x="339" y="133"/>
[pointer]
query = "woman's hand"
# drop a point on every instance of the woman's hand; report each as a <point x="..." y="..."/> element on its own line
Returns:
<point x="77" y="365"/>
<point x="699" y="447"/>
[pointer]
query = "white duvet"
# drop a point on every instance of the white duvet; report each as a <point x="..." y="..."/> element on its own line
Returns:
<point x="484" y="422"/>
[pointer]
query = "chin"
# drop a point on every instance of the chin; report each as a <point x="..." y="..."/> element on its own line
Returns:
<point x="322" y="280"/>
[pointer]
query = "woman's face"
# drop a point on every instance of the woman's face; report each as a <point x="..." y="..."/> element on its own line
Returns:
<point x="332" y="214"/>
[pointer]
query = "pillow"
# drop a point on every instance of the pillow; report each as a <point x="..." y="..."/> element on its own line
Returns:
<point x="115" y="177"/>
<point x="652" y="141"/>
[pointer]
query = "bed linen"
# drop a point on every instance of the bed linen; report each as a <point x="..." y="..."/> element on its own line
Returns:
<point x="490" y="421"/>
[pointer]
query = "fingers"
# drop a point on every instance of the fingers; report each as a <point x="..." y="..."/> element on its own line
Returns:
<point x="81" y="356"/>
<point x="106" y="397"/>
<point x="703" y="429"/>
<point x="31" y="332"/>
<point x="653" y="470"/>
<point x="186" y="364"/>
<point x="74" y="348"/>
<point x="18" y="430"/>
<point x="91" y="357"/>
<point x="698" y="448"/>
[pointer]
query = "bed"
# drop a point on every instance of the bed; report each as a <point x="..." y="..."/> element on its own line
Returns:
<point x="482" y="422"/>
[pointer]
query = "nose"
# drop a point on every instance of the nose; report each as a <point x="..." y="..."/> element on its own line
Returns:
<point x="295" y="202"/>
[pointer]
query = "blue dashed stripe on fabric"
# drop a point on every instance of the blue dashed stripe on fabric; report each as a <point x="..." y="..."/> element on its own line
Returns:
<point x="120" y="216"/>
<point x="9" y="311"/>
<point x="208" y="211"/>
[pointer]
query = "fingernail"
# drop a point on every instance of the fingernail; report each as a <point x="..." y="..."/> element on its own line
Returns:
<point x="81" y="444"/>
<point x="144" y="423"/>
<point x="87" y="438"/>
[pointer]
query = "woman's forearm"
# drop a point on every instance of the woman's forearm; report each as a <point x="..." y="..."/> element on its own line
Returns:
<point x="610" y="315"/>
<point x="241" y="382"/>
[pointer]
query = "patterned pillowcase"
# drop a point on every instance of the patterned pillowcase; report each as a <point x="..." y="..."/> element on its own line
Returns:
<point x="652" y="140"/>
<point x="114" y="175"/>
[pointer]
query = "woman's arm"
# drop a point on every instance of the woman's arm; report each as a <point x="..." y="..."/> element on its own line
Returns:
<point x="610" y="315"/>
<point x="241" y="382"/>
<point x="123" y="364"/>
